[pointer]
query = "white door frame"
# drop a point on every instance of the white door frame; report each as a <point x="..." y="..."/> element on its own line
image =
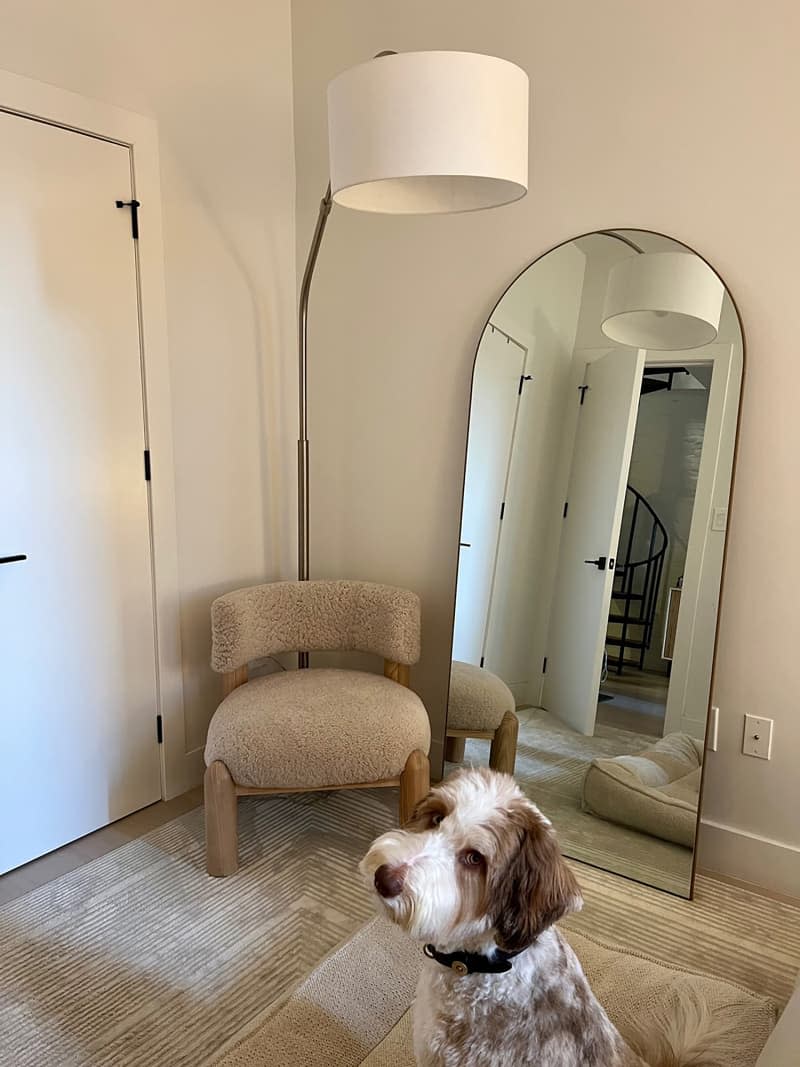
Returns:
<point x="180" y="770"/>
<point x="695" y="638"/>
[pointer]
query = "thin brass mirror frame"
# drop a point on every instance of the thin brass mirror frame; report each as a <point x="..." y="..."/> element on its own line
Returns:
<point x="615" y="232"/>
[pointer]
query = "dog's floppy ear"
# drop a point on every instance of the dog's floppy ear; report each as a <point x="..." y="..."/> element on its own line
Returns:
<point x="535" y="887"/>
<point x="420" y="816"/>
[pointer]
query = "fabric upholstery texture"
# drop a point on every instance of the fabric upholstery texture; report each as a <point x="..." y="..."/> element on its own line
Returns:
<point x="318" y="616"/>
<point x="317" y="727"/>
<point x="478" y="699"/>
<point x="655" y="791"/>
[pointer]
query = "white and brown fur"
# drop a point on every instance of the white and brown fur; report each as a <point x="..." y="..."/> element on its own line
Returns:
<point x="477" y="868"/>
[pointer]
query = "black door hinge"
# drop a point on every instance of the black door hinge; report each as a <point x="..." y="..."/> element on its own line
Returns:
<point x="134" y="205"/>
<point x="502" y="510"/>
<point x="147" y="464"/>
<point x="582" y="390"/>
<point x="566" y="509"/>
<point x="481" y="661"/>
<point x="544" y="665"/>
<point x="522" y="379"/>
<point x="159" y="730"/>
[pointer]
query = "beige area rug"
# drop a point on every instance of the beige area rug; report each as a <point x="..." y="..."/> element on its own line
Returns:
<point x="551" y="762"/>
<point x="353" y="1011"/>
<point x="139" y="958"/>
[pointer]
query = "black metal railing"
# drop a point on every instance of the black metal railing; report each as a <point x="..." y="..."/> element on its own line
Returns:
<point x="637" y="580"/>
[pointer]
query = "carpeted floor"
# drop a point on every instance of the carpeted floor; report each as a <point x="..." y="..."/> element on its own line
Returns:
<point x="337" y="1019"/>
<point x="138" y="958"/>
<point x="551" y="762"/>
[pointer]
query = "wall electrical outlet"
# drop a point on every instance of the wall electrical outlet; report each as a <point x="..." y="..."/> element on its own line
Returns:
<point x="757" y="737"/>
<point x="719" y="519"/>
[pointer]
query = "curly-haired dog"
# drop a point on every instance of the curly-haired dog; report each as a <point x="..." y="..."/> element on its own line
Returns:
<point x="478" y="876"/>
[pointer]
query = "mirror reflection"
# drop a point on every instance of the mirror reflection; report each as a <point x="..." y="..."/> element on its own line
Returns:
<point x="601" y="442"/>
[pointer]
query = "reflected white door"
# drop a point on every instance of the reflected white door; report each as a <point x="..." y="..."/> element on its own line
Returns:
<point x="600" y="463"/>
<point x="77" y="650"/>
<point x="495" y="399"/>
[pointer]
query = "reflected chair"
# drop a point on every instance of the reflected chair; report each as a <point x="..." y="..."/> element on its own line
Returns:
<point x="315" y="729"/>
<point x="481" y="705"/>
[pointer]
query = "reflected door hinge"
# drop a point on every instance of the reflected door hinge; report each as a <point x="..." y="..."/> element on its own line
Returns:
<point x="502" y="510"/>
<point x="481" y="661"/>
<point x="159" y="730"/>
<point x="544" y="665"/>
<point x="147" y="464"/>
<point x="566" y="509"/>
<point x="582" y="390"/>
<point x="134" y="205"/>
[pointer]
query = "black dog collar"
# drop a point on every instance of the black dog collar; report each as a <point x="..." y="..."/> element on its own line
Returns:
<point x="472" y="962"/>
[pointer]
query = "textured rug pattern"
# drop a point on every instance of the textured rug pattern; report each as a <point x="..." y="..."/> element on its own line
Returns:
<point x="551" y="762"/>
<point x="337" y="1019"/>
<point x="139" y="958"/>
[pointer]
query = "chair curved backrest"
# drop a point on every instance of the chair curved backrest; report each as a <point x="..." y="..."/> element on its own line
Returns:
<point x="316" y="616"/>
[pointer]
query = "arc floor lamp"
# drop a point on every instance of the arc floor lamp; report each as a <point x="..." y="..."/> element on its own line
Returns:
<point x="414" y="133"/>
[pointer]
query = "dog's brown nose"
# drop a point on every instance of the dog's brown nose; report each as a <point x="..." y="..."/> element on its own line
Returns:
<point x="389" y="880"/>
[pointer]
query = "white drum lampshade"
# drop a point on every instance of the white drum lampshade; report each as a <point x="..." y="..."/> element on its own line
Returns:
<point x="664" y="301"/>
<point x="428" y="132"/>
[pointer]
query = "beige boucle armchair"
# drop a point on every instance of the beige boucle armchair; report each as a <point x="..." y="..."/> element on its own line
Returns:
<point x="317" y="728"/>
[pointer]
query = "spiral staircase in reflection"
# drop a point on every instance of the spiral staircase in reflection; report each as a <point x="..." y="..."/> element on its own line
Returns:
<point x="637" y="581"/>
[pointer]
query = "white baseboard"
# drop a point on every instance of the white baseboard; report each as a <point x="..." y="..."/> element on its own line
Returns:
<point x="761" y="861"/>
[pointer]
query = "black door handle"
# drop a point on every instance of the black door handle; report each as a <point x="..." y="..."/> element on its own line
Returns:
<point x="12" y="559"/>
<point x="600" y="562"/>
<point x="464" y="544"/>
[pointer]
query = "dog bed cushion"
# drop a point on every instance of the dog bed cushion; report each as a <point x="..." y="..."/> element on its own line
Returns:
<point x="655" y="791"/>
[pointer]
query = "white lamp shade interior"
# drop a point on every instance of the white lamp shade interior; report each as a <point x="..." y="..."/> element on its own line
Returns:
<point x="429" y="132"/>
<point x="664" y="301"/>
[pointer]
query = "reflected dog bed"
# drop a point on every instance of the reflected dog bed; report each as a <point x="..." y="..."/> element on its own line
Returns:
<point x="655" y="791"/>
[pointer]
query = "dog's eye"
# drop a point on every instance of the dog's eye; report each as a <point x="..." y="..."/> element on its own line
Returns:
<point x="471" y="858"/>
<point x="436" y="819"/>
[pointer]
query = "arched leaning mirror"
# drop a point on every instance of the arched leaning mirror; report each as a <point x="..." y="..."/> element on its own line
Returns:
<point x="602" y="427"/>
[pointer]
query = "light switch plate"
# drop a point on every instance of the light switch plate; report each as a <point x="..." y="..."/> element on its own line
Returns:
<point x="757" y="737"/>
<point x="719" y="519"/>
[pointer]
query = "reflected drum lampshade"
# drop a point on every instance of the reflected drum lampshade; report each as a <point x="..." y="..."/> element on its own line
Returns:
<point x="664" y="301"/>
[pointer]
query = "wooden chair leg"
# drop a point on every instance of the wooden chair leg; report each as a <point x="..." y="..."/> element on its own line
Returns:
<point x="454" y="749"/>
<point x="222" y="833"/>
<point x="503" y="755"/>
<point x="415" y="783"/>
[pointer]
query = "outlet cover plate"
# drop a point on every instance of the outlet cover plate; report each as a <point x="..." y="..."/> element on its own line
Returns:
<point x="757" y="737"/>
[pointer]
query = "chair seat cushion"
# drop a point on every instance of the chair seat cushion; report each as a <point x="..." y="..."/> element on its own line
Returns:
<point x="655" y="791"/>
<point x="311" y="728"/>
<point x="478" y="699"/>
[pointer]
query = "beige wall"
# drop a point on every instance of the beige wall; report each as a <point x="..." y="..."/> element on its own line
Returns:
<point x="217" y="77"/>
<point x="676" y="117"/>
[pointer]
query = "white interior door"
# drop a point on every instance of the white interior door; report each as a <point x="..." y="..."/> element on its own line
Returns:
<point x="77" y="651"/>
<point x="495" y="398"/>
<point x="600" y="463"/>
